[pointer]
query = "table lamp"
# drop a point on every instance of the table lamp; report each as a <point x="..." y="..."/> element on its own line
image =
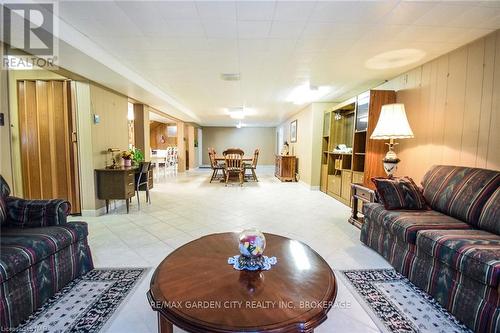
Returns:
<point x="392" y="124"/>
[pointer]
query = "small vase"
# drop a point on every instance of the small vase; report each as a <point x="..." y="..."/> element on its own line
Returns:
<point x="127" y="163"/>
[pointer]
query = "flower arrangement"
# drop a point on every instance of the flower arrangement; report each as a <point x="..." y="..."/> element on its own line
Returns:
<point x="132" y="155"/>
<point x="127" y="155"/>
<point x="252" y="243"/>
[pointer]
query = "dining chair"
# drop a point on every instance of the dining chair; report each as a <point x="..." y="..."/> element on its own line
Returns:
<point x="234" y="164"/>
<point x="216" y="166"/>
<point x="233" y="151"/>
<point x="142" y="180"/>
<point x="253" y="166"/>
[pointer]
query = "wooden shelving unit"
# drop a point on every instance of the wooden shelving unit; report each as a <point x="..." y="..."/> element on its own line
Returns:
<point x="351" y="124"/>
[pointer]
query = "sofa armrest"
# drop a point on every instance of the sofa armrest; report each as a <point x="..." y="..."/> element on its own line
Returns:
<point x="24" y="213"/>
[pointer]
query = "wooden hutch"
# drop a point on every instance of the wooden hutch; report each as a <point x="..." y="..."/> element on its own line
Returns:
<point x="349" y="126"/>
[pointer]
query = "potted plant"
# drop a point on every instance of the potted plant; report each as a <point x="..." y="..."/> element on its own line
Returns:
<point x="127" y="156"/>
<point x="137" y="156"/>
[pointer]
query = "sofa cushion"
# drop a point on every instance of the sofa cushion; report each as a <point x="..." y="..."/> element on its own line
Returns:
<point x="21" y="248"/>
<point x="399" y="193"/>
<point x="3" y="211"/>
<point x="460" y="192"/>
<point x="489" y="219"/>
<point x="405" y="224"/>
<point x="4" y="187"/>
<point x="474" y="253"/>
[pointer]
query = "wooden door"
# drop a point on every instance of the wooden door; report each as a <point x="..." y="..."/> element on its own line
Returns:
<point x="47" y="130"/>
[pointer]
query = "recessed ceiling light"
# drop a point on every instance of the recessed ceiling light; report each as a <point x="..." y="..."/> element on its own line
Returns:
<point x="395" y="58"/>
<point x="230" y="76"/>
<point x="236" y="112"/>
<point x="307" y="93"/>
<point x="239" y="112"/>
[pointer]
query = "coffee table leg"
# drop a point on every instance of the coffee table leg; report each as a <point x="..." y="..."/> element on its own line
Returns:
<point x="164" y="326"/>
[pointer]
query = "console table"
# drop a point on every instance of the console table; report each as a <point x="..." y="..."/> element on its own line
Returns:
<point x="118" y="184"/>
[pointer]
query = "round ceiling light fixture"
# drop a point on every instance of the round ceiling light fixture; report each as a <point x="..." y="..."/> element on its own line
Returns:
<point x="395" y="58"/>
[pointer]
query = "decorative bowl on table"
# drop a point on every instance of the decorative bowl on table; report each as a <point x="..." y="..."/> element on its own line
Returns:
<point x="251" y="245"/>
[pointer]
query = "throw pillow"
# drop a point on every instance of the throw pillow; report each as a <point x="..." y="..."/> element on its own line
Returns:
<point x="399" y="193"/>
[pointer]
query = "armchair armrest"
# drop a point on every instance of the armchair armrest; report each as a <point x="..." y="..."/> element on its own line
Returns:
<point x="24" y="213"/>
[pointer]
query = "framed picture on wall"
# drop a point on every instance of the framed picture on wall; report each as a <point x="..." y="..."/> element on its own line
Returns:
<point x="293" y="131"/>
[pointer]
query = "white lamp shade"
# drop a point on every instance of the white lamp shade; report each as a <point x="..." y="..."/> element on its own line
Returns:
<point x="392" y="123"/>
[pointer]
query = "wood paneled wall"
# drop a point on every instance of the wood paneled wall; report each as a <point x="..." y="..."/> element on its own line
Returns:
<point x="157" y="130"/>
<point x="453" y="106"/>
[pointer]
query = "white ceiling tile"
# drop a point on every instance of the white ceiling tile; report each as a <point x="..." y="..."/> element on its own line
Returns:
<point x="407" y="12"/>
<point x="291" y="29"/>
<point x="253" y="45"/>
<point x="318" y="29"/>
<point x="182" y="28"/>
<point x="220" y="28"/>
<point x="254" y="29"/>
<point x="255" y="10"/>
<point x="225" y="10"/>
<point x="440" y="15"/>
<point x="352" y="11"/>
<point x="223" y="45"/>
<point x="476" y="14"/>
<point x="179" y="10"/>
<point x="293" y="10"/>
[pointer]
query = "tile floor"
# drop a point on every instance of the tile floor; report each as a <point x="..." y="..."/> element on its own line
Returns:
<point x="186" y="206"/>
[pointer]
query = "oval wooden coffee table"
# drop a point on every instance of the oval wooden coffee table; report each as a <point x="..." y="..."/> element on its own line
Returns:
<point x="195" y="288"/>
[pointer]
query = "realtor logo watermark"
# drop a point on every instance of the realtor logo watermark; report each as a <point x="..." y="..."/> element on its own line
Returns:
<point x="28" y="32"/>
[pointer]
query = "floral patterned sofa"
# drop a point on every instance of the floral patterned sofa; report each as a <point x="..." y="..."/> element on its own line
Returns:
<point x="40" y="252"/>
<point x="451" y="250"/>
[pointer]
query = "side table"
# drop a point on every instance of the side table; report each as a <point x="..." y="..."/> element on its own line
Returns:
<point x="364" y="194"/>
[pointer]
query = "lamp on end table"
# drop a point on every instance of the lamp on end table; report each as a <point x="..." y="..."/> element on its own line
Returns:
<point x="392" y="124"/>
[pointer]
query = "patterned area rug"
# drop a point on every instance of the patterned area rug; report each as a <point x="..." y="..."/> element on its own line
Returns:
<point x="85" y="304"/>
<point x="396" y="305"/>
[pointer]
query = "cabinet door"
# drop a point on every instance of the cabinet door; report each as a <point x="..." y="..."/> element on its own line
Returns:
<point x="334" y="185"/>
<point x="324" y="177"/>
<point x="346" y="184"/>
<point x="357" y="177"/>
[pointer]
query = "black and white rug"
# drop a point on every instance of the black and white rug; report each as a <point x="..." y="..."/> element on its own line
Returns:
<point x="86" y="303"/>
<point x="397" y="305"/>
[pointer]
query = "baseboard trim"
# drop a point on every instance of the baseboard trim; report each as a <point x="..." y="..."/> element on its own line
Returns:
<point x="311" y="187"/>
<point x="113" y="205"/>
<point x="94" y="212"/>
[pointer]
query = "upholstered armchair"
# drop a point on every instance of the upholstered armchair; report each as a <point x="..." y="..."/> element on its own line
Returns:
<point x="58" y="253"/>
<point x="22" y="213"/>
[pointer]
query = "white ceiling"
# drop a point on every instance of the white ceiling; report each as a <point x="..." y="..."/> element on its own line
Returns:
<point x="181" y="48"/>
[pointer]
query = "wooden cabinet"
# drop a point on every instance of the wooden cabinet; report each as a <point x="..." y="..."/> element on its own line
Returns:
<point x="118" y="184"/>
<point x="347" y="153"/>
<point x="285" y="168"/>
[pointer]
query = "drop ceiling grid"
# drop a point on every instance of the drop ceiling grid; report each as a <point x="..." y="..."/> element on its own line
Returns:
<point x="183" y="47"/>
